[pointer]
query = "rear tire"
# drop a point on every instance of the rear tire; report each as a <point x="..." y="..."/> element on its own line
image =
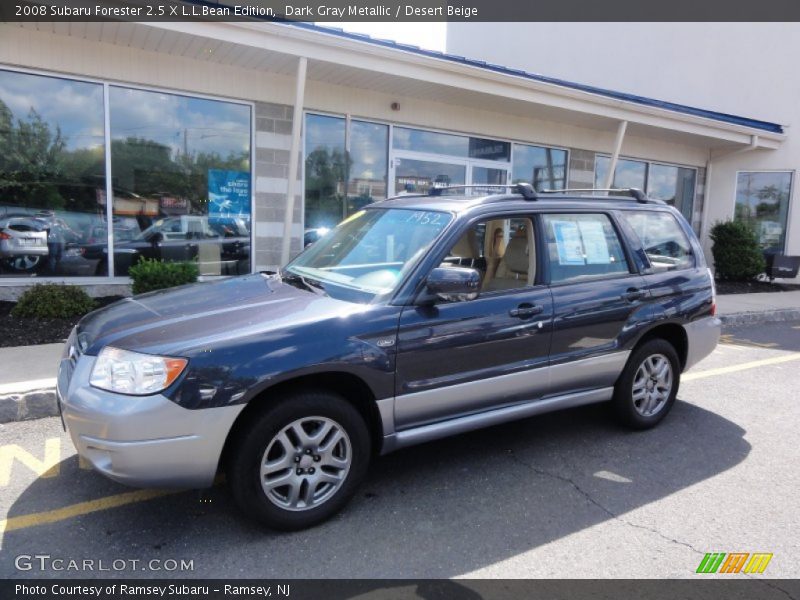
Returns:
<point x="646" y="390"/>
<point x="299" y="461"/>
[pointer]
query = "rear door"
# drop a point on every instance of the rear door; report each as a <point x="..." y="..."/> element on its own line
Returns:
<point x="456" y="358"/>
<point x="596" y="293"/>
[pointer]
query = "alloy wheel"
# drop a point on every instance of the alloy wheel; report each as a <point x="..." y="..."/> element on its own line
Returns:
<point x="652" y="385"/>
<point x="306" y="463"/>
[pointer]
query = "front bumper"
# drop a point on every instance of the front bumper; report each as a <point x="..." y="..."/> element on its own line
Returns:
<point x="7" y="251"/>
<point x="142" y="441"/>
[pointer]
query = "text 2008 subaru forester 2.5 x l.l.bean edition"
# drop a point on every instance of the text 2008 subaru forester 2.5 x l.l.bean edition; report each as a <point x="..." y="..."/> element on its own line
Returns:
<point x="417" y="318"/>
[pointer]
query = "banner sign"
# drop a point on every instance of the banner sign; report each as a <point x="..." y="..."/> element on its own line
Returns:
<point x="228" y="193"/>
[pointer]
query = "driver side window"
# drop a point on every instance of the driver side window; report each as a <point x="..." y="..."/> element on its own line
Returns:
<point x="501" y="250"/>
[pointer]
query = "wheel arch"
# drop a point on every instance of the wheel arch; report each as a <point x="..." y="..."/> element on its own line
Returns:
<point x="672" y="332"/>
<point x="351" y="387"/>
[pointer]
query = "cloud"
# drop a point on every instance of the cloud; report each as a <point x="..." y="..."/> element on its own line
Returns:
<point x="206" y="125"/>
<point x="74" y="106"/>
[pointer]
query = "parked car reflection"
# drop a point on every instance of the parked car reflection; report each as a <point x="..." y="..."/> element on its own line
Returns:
<point x="23" y="244"/>
<point x="220" y="245"/>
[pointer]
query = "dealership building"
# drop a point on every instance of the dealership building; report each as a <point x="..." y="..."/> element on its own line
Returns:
<point x="224" y="142"/>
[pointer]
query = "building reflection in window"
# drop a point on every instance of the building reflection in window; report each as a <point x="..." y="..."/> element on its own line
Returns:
<point x="52" y="175"/>
<point x="543" y="168"/>
<point x="762" y="201"/>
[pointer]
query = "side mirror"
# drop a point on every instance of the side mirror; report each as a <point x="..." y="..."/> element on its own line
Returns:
<point x="454" y="284"/>
<point x="156" y="238"/>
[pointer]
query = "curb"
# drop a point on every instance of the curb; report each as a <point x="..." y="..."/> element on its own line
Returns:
<point x="25" y="406"/>
<point x="40" y="403"/>
<point x="768" y="316"/>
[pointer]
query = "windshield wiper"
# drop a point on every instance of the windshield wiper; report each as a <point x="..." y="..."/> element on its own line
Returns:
<point x="310" y="284"/>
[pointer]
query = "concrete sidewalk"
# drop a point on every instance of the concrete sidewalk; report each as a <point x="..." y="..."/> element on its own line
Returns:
<point x="741" y="309"/>
<point x="27" y="373"/>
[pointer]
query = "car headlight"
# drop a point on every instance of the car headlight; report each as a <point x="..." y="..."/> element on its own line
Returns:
<point x="133" y="373"/>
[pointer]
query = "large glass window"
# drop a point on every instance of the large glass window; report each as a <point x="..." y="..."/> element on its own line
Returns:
<point x="434" y="142"/>
<point x="543" y="168"/>
<point x="52" y="175"/>
<point x="628" y="174"/>
<point x="430" y="142"/>
<point x="326" y="171"/>
<point x="369" y="161"/>
<point x="673" y="184"/>
<point x="339" y="182"/>
<point x="762" y="201"/>
<point x="181" y="180"/>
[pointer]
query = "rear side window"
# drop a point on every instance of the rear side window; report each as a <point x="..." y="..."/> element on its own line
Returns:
<point x="663" y="240"/>
<point x="582" y="246"/>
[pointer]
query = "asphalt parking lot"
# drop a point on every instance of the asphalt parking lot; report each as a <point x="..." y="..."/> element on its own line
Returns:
<point x="562" y="495"/>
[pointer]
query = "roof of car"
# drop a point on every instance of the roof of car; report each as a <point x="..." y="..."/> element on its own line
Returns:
<point x="461" y="202"/>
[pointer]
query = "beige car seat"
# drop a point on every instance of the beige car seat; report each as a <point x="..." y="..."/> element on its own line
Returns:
<point x="467" y="248"/>
<point x="516" y="268"/>
<point x="494" y="247"/>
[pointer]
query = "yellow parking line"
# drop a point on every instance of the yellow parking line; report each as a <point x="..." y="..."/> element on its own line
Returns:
<point x="741" y="367"/>
<point x="82" y="508"/>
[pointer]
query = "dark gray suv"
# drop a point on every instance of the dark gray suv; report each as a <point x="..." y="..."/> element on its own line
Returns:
<point x="416" y="318"/>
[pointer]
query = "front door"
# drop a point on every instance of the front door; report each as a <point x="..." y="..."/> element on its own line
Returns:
<point x="457" y="358"/>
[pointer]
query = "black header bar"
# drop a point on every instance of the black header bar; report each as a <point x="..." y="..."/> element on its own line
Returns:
<point x="734" y="587"/>
<point x="333" y="11"/>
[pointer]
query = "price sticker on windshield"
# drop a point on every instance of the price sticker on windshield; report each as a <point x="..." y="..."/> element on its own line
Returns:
<point x="425" y="218"/>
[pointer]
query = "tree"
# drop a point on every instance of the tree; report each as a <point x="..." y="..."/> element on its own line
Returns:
<point x="737" y="255"/>
<point x="31" y="160"/>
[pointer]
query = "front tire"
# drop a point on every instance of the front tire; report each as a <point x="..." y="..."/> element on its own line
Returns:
<point x="646" y="390"/>
<point x="299" y="461"/>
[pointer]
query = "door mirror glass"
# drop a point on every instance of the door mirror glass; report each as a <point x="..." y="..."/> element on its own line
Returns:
<point x="454" y="284"/>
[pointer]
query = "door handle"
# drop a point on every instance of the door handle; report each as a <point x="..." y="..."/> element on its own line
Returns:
<point x="525" y="311"/>
<point x="633" y="294"/>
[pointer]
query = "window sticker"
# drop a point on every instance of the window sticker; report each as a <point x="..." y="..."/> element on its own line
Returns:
<point x="595" y="243"/>
<point x="568" y="243"/>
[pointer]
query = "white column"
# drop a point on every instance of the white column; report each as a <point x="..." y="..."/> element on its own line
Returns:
<point x="623" y="125"/>
<point x="297" y="122"/>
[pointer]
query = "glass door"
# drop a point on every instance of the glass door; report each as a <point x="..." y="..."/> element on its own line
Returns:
<point x="490" y="175"/>
<point x="416" y="174"/>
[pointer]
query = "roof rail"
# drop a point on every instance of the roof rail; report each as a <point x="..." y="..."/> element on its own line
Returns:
<point x="633" y="192"/>
<point x="523" y="189"/>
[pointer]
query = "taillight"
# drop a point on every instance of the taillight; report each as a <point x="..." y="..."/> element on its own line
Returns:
<point x="4" y="236"/>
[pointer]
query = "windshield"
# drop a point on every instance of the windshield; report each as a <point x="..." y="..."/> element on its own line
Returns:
<point x="370" y="252"/>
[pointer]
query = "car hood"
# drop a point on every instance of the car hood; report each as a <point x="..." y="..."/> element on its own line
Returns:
<point x="193" y="318"/>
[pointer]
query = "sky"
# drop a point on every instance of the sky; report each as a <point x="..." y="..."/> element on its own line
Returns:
<point x="430" y="36"/>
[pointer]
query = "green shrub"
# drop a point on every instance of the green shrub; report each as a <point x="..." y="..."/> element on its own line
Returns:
<point x="152" y="274"/>
<point x="737" y="255"/>
<point x="52" y="300"/>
